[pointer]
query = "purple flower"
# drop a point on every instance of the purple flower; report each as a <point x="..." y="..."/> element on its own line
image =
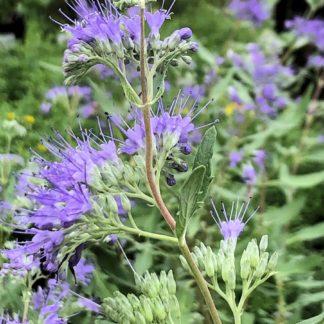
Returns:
<point x="84" y="271"/>
<point x="316" y="61"/>
<point x="196" y="92"/>
<point x="235" y="157"/>
<point x="49" y="301"/>
<point x="250" y="10"/>
<point x="155" y="20"/>
<point x="232" y="225"/>
<point x="46" y="107"/>
<point x="312" y="29"/>
<point x="184" y="33"/>
<point x="260" y="157"/>
<point x="62" y="196"/>
<point x="249" y="174"/>
<point x="170" y="129"/>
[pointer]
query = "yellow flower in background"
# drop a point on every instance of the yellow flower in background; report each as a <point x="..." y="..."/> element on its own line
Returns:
<point x="29" y="119"/>
<point x="41" y="147"/>
<point x="11" y="115"/>
<point x="230" y="108"/>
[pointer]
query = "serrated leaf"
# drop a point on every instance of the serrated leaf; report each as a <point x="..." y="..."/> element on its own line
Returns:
<point x="204" y="156"/>
<point x="189" y="198"/>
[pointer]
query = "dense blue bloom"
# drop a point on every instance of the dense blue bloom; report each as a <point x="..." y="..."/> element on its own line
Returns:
<point x="232" y="224"/>
<point x="313" y="29"/>
<point x="251" y="10"/>
<point x="60" y="195"/>
<point x="268" y="78"/>
<point x="171" y="127"/>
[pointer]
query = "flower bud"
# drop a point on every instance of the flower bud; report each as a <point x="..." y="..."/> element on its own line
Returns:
<point x="184" y="33"/>
<point x="134" y="301"/>
<point x="158" y="309"/>
<point x="231" y="279"/>
<point x="245" y="268"/>
<point x="263" y="243"/>
<point x="111" y="204"/>
<point x="172" y="286"/>
<point x="253" y="252"/>
<point x="184" y="262"/>
<point x="139" y="318"/>
<point x="146" y="308"/>
<point x="125" y="202"/>
<point x="262" y="266"/>
<point x="273" y="262"/>
<point x="187" y="59"/>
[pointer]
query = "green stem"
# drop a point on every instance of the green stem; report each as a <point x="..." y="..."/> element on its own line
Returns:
<point x="155" y="236"/>
<point x="200" y="280"/>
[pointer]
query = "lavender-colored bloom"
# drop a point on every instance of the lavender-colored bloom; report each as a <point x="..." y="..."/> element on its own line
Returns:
<point x="313" y="29"/>
<point x="235" y="158"/>
<point x="234" y="96"/>
<point x="84" y="271"/>
<point x="63" y="197"/>
<point x="184" y="33"/>
<point x="49" y="301"/>
<point x="260" y="157"/>
<point x="232" y="225"/>
<point x="196" y="92"/>
<point x="320" y="139"/>
<point x="155" y="20"/>
<point x="251" y="10"/>
<point x="46" y="107"/>
<point x="169" y="129"/>
<point x="249" y="174"/>
<point x="316" y="61"/>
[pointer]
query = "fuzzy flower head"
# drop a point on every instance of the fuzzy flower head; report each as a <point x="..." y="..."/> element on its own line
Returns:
<point x="253" y="11"/>
<point x="231" y="225"/>
<point x="172" y="127"/>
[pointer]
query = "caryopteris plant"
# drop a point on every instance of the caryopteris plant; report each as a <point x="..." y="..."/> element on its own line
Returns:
<point x="86" y="193"/>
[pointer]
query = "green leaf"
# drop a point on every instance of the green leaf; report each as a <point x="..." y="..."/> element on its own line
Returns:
<point x="144" y="259"/>
<point x="307" y="234"/>
<point x="189" y="198"/>
<point x="313" y="320"/>
<point x="315" y="4"/>
<point x="204" y="156"/>
<point x="300" y="181"/>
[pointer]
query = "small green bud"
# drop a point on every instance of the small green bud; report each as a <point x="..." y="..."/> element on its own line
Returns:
<point x="245" y="268"/>
<point x="262" y="266"/>
<point x="184" y="263"/>
<point x="111" y="204"/>
<point x="209" y="264"/>
<point x="253" y="251"/>
<point x="139" y="318"/>
<point x="231" y="279"/>
<point x="220" y="258"/>
<point x="125" y="202"/>
<point x="273" y="262"/>
<point x="146" y="308"/>
<point x="134" y="301"/>
<point x="187" y="59"/>
<point x="158" y="309"/>
<point x="225" y="271"/>
<point x="215" y="263"/>
<point x="172" y="286"/>
<point x="203" y="248"/>
<point x="13" y="128"/>
<point x="263" y="243"/>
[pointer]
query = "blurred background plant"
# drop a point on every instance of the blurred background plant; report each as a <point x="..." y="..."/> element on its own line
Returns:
<point x="263" y="70"/>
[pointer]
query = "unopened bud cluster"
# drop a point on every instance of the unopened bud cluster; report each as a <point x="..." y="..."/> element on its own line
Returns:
<point x="156" y="304"/>
<point x="255" y="262"/>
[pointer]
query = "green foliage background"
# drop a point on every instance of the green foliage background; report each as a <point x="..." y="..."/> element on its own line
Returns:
<point x="292" y="213"/>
